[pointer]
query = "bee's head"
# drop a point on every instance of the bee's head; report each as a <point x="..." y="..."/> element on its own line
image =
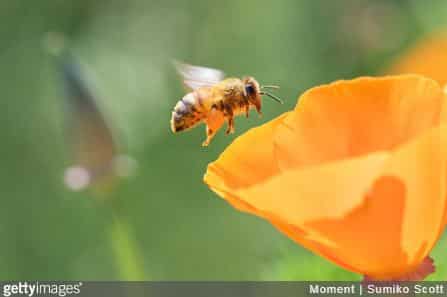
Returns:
<point x="254" y="91"/>
<point x="252" y="87"/>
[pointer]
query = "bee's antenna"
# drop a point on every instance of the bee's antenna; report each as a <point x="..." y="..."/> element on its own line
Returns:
<point x="270" y="87"/>
<point x="277" y="99"/>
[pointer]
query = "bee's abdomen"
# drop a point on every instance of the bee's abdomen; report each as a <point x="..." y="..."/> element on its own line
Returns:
<point x="186" y="114"/>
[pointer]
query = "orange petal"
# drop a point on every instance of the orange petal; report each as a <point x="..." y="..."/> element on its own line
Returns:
<point x="428" y="58"/>
<point x="327" y="191"/>
<point x="421" y="166"/>
<point x="293" y="198"/>
<point x="350" y="118"/>
<point x="402" y="215"/>
<point x="340" y="210"/>
<point x="368" y="237"/>
<point x="247" y="161"/>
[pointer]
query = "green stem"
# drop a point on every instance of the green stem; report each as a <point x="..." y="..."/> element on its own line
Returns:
<point x="127" y="255"/>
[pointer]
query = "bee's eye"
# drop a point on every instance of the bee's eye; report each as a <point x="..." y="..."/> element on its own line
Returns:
<point x="249" y="89"/>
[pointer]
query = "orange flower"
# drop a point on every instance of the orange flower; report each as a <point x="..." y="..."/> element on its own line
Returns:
<point x="428" y="58"/>
<point x="356" y="173"/>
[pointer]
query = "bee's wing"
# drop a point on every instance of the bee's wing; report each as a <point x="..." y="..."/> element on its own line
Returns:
<point x="195" y="77"/>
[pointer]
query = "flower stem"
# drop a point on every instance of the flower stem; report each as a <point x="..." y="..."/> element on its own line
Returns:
<point x="126" y="252"/>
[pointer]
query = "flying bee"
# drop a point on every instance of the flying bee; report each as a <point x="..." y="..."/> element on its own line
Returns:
<point x="214" y="100"/>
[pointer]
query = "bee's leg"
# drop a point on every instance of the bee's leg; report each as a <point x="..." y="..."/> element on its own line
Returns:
<point x="230" y="128"/>
<point x="247" y="110"/>
<point x="213" y="123"/>
<point x="230" y="118"/>
<point x="209" y="135"/>
<point x="258" y="108"/>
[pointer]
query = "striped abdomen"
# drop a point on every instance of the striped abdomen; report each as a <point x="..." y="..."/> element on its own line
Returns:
<point x="187" y="113"/>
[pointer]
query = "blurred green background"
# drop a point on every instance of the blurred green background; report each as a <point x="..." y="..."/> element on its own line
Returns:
<point x="168" y="225"/>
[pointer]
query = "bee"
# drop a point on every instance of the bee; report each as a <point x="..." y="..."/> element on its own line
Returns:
<point x="214" y="99"/>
